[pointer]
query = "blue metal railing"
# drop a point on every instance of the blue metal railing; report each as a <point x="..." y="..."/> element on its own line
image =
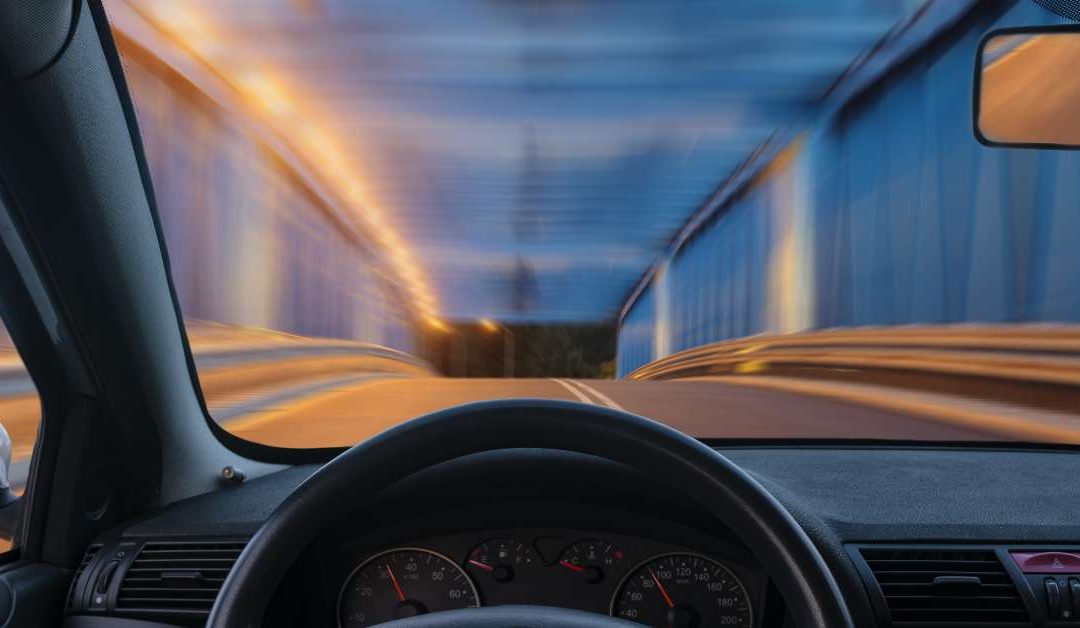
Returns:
<point x="885" y="212"/>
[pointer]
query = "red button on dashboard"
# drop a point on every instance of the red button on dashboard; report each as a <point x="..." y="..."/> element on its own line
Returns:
<point x="1047" y="562"/>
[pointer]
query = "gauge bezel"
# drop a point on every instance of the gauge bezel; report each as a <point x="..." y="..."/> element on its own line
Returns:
<point x="633" y="570"/>
<point x="407" y="548"/>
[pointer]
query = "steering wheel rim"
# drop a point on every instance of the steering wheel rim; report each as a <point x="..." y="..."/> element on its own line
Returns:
<point x="516" y="615"/>
<point x="727" y="492"/>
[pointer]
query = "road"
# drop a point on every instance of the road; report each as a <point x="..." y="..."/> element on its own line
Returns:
<point x="347" y="413"/>
<point x="307" y="395"/>
<point x="338" y="401"/>
<point x="335" y="401"/>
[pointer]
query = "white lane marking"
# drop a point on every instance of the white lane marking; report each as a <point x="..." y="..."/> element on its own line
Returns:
<point x="607" y="401"/>
<point x="577" y="393"/>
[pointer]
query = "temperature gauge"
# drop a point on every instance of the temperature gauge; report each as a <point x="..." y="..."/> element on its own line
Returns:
<point x="591" y="559"/>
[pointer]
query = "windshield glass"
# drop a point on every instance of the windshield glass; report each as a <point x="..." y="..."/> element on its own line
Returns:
<point x="746" y="219"/>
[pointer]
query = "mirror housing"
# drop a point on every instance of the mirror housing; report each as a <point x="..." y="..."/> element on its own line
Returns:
<point x="1027" y="90"/>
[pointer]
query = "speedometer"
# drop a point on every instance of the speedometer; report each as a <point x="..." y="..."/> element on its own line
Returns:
<point x="401" y="583"/>
<point x="683" y="590"/>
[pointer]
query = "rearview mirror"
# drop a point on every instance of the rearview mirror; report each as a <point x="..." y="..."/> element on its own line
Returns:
<point x="1027" y="87"/>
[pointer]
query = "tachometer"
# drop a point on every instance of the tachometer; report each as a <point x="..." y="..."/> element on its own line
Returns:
<point x="683" y="590"/>
<point x="403" y="582"/>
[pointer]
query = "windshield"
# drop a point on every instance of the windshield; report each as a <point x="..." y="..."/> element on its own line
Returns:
<point x="746" y="219"/>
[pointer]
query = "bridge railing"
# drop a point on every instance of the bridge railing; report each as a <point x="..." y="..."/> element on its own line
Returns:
<point x="214" y="345"/>
<point x="884" y="211"/>
<point x="241" y="370"/>
<point x="1031" y="365"/>
<point x="298" y="254"/>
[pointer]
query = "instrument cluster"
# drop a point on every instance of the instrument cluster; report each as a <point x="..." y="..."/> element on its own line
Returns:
<point x="641" y="580"/>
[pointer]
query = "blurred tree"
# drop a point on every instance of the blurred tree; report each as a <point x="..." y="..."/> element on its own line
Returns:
<point x="566" y="351"/>
<point x="586" y="351"/>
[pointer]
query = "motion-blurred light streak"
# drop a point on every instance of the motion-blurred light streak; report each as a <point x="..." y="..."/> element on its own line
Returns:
<point x="499" y="135"/>
<point x="280" y="102"/>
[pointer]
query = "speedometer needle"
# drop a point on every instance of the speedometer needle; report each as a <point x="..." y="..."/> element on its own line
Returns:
<point x="663" y="591"/>
<point x="397" y="587"/>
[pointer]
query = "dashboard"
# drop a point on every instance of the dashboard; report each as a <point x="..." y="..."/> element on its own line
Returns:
<point x="651" y="582"/>
<point x="873" y="511"/>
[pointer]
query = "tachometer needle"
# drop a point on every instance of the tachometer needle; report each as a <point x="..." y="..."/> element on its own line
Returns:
<point x="397" y="587"/>
<point x="663" y="591"/>
<point x="570" y="565"/>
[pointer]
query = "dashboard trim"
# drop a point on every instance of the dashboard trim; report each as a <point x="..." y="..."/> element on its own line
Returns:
<point x="876" y="595"/>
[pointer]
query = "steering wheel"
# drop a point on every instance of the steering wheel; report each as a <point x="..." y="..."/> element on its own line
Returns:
<point x="721" y="488"/>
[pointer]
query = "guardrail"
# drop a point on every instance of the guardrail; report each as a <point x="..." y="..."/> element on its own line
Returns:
<point x="1032" y="365"/>
<point x="214" y="345"/>
<point x="239" y="368"/>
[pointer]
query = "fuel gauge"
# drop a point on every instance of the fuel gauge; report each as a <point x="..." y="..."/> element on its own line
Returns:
<point x="500" y="559"/>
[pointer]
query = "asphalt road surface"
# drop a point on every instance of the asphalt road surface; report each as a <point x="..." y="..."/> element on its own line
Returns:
<point x="345" y="412"/>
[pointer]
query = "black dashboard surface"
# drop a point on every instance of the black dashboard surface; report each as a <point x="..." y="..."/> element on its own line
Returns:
<point x="931" y="494"/>
<point x="859" y="494"/>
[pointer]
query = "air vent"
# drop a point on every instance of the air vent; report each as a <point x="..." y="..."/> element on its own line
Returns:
<point x="80" y="570"/>
<point x="930" y="587"/>
<point x="176" y="579"/>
